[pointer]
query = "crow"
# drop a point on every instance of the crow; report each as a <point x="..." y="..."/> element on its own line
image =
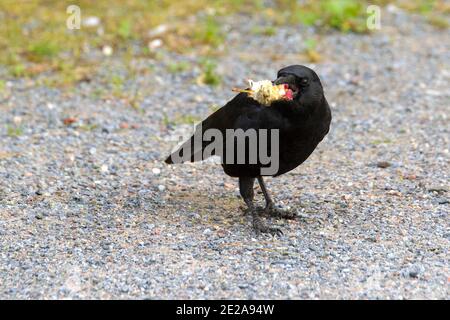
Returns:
<point x="301" y="123"/>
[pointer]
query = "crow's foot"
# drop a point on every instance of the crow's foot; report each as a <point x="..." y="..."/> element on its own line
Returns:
<point x="277" y="212"/>
<point x="260" y="227"/>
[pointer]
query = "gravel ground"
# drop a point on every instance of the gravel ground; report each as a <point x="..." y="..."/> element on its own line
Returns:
<point x="89" y="210"/>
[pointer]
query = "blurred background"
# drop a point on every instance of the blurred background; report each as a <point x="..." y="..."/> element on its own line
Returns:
<point x="35" y="39"/>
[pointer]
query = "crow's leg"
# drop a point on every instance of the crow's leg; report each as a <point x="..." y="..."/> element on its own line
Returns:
<point x="246" y="189"/>
<point x="270" y="206"/>
<point x="247" y="193"/>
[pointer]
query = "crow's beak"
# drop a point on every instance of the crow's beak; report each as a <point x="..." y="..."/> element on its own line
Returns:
<point x="283" y="79"/>
<point x="289" y="80"/>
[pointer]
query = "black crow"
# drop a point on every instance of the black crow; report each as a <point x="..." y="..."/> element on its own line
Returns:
<point x="301" y="122"/>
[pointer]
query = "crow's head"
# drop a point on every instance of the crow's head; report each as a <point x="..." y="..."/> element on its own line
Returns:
<point x="304" y="83"/>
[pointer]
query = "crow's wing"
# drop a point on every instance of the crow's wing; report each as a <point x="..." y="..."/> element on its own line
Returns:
<point x="230" y="116"/>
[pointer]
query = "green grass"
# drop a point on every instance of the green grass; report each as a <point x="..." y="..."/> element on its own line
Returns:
<point x="43" y="50"/>
<point x="342" y="15"/>
<point x="209" y="75"/>
<point x="88" y="127"/>
<point x="187" y="119"/>
<point x="125" y="29"/>
<point x="381" y="141"/>
<point x="436" y="12"/>
<point x="209" y="32"/>
<point x="2" y="85"/>
<point x="177" y="67"/>
<point x="180" y="119"/>
<point x="214" y="107"/>
<point x="14" y="131"/>
<point x="18" y="70"/>
<point x="350" y="15"/>
<point x="438" y="22"/>
<point x="310" y="44"/>
<point x="34" y="38"/>
<point x="264" y="31"/>
<point x="311" y="51"/>
<point x="117" y="83"/>
<point x="305" y="17"/>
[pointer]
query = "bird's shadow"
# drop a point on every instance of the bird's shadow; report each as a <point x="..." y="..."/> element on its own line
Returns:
<point x="224" y="212"/>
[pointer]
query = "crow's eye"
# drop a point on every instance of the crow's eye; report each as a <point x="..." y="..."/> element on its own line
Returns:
<point x="304" y="82"/>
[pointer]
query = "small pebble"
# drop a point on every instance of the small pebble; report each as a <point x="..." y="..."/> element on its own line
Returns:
<point x="383" y="164"/>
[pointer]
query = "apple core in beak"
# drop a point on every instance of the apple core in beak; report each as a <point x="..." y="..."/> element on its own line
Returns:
<point x="291" y="88"/>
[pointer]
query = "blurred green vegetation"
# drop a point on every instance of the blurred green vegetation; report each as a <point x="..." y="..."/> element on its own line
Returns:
<point x="14" y="131"/>
<point x="34" y="38"/>
<point x="209" y="75"/>
<point x="180" y="119"/>
<point x="176" y="67"/>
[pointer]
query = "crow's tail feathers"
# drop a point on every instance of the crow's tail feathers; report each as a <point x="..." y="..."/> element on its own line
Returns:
<point x="169" y="160"/>
<point x="195" y="152"/>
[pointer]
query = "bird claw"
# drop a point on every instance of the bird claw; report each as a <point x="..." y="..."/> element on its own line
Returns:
<point x="276" y="232"/>
<point x="259" y="228"/>
<point x="246" y="211"/>
<point x="273" y="211"/>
